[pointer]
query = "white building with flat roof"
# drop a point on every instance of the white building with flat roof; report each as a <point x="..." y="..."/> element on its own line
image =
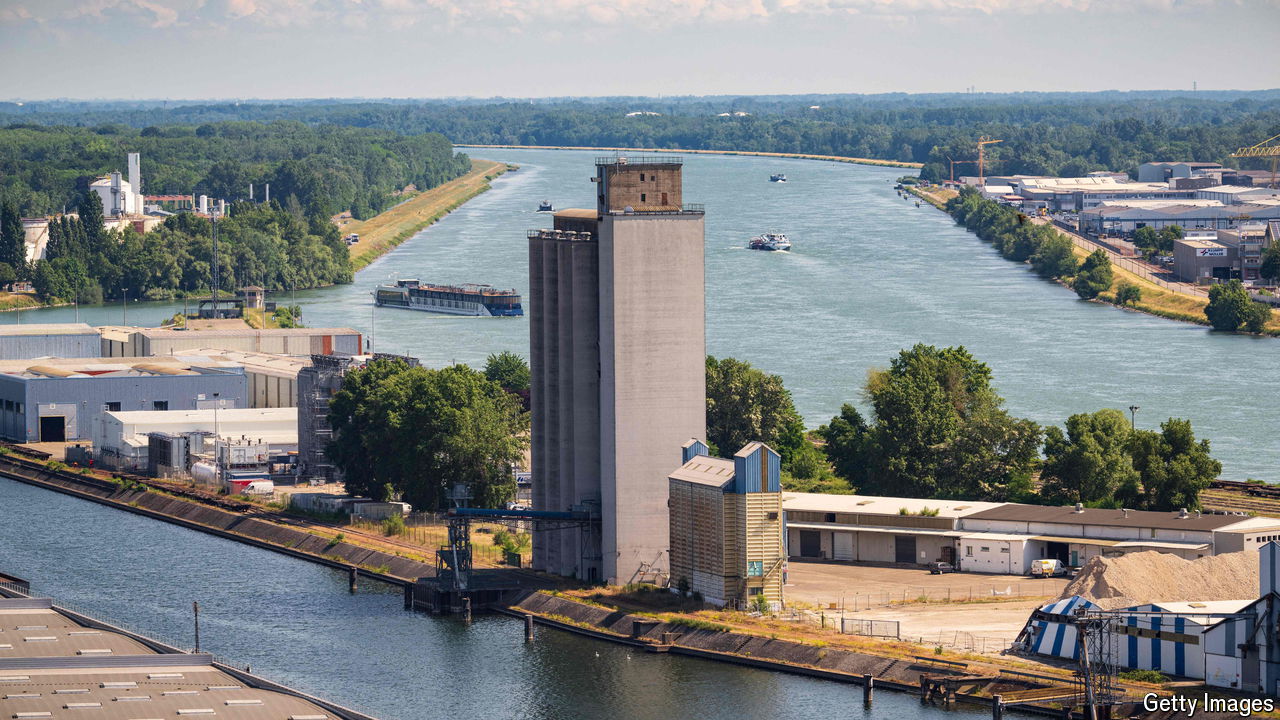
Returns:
<point x="121" y="438"/>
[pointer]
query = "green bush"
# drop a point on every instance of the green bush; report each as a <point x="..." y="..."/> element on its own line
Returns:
<point x="1146" y="676"/>
<point x="393" y="525"/>
<point x="697" y="624"/>
<point x="760" y="604"/>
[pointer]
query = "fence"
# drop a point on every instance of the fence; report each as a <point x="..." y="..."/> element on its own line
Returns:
<point x="869" y="627"/>
<point x="949" y="594"/>
<point x="1136" y="267"/>
<point x="843" y="623"/>
<point x="430" y="531"/>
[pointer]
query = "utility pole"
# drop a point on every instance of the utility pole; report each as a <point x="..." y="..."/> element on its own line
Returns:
<point x="1133" y="415"/>
<point x="215" y="265"/>
<point x="217" y="440"/>
<point x="195" y="609"/>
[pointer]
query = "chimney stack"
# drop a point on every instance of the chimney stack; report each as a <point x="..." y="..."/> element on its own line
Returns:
<point x="135" y="183"/>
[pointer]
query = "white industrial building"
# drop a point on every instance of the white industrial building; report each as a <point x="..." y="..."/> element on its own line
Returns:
<point x="1000" y="537"/>
<point x="119" y="196"/>
<point x="121" y="439"/>
<point x="1243" y="652"/>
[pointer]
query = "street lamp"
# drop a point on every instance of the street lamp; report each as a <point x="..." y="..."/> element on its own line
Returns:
<point x="1133" y="412"/>
<point x="373" y="321"/>
<point x="217" y="450"/>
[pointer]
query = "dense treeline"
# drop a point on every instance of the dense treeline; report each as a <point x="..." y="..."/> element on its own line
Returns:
<point x="324" y="169"/>
<point x="1013" y="234"/>
<point x="939" y="429"/>
<point x="1049" y="133"/>
<point x="258" y="244"/>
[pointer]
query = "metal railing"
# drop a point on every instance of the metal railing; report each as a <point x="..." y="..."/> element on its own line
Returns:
<point x="621" y="159"/>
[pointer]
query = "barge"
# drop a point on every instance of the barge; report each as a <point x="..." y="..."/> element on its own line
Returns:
<point x="468" y="299"/>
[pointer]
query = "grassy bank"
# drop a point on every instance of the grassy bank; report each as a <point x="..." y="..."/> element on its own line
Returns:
<point x="1156" y="299"/>
<point x="798" y="156"/>
<point x="384" y="231"/>
<point x="18" y="301"/>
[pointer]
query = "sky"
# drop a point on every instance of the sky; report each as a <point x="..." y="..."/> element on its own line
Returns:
<point x="232" y="49"/>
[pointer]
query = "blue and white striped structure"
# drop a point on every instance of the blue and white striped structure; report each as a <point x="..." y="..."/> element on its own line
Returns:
<point x="1058" y="637"/>
<point x="1244" y="652"/>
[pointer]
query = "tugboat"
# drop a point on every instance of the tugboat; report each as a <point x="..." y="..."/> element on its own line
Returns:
<point x="777" y="177"/>
<point x="545" y="206"/>
<point x="476" y="300"/>
<point x="770" y="242"/>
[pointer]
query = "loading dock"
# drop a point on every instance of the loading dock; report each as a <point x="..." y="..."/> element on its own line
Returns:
<point x="53" y="428"/>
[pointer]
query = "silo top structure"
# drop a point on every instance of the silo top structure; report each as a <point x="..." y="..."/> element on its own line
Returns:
<point x="639" y="184"/>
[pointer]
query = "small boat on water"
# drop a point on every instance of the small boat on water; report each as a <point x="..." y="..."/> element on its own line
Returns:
<point x="771" y="242"/>
<point x="545" y="206"/>
<point x="469" y="299"/>
<point x="777" y="177"/>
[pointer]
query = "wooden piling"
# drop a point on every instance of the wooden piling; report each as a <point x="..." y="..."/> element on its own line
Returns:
<point x="924" y="689"/>
<point x="352" y="573"/>
<point x="408" y="596"/>
<point x="528" y="627"/>
<point x="466" y="610"/>
<point x="868" y="683"/>
<point x="997" y="707"/>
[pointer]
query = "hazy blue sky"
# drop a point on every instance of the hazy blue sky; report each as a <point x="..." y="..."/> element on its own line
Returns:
<point x="434" y="48"/>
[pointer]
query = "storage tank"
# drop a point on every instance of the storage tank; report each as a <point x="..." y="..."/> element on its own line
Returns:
<point x="204" y="472"/>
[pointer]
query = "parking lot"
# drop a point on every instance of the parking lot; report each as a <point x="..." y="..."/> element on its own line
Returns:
<point x="971" y="610"/>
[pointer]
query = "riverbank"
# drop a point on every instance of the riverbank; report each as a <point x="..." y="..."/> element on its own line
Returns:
<point x="1157" y="299"/>
<point x="384" y="231"/>
<point x="943" y="678"/>
<point x="683" y="151"/>
<point x="227" y="518"/>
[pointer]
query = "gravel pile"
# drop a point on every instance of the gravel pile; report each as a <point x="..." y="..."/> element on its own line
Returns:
<point x="1151" y="577"/>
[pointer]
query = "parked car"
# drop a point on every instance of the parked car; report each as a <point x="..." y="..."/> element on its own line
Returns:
<point x="939" y="568"/>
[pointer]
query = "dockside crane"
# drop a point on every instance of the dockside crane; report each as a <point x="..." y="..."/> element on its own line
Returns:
<point x="983" y="142"/>
<point x="1268" y="148"/>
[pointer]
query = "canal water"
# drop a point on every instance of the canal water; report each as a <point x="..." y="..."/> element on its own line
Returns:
<point x="870" y="274"/>
<point x="295" y="622"/>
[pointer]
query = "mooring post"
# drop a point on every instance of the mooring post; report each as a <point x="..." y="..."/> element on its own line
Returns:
<point x="466" y="610"/>
<point x="868" y="682"/>
<point x="1066" y="712"/>
<point x="924" y="688"/>
<point x="528" y="627"/>
<point x="997" y="707"/>
<point x="408" y="596"/>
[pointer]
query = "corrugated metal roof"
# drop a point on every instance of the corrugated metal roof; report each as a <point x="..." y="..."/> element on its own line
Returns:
<point x="1067" y="514"/>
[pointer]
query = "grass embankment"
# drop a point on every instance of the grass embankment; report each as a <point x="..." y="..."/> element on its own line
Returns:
<point x="18" y="301"/>
<point x="1156" y="299"/>
<point x="752" y="153"/>
<point x="388" y="229"/>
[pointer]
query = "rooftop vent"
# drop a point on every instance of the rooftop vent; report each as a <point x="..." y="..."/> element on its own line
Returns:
<point x="1182" y="514"/>
<point x="1079" y="507"/>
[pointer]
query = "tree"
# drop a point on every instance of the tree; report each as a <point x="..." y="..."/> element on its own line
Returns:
<point x="847" y="440"/>
<point x="1147" y="238"/>
<point x="745" y="404"/>
<point x="422" y="431"/>
<point x="1089" y="464"/>
<point x="1166" y="236"/>
<point x="1128" y="294"/>
<point x="1270" y="269"/>
<point x="13" y="239"/>
<point x="7" y="275"/>
<point x="91" y="219"/>
<point x="940" y="431"/>
<point x="1094" y="276"/>
<point x="1055" y="258"/>
<point x="508" y="370"/>
<point x="1228" y="306"/>
<point x="1256" y="317"/>
<point x="1173" y="467"/>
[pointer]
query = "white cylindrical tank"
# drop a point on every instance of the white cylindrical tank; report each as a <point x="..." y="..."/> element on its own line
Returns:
<point x="204" y="472"/>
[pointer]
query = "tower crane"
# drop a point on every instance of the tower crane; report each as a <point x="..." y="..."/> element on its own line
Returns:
<point x="983" y="142"/>
<point x="954" y="163"/>
<point x="1262" y="150"/>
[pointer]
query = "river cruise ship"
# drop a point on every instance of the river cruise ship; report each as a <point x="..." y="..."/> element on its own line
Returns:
<point x="476" y="300"/>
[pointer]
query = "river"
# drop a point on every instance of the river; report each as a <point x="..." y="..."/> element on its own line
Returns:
<point x="295" y="622"/>
<point x="870" y="274"/>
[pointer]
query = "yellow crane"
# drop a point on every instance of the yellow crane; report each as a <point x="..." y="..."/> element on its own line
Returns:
<point x="983" y="142"/>
<point x="954" y="163"/>
<point x="1262" y="150"/>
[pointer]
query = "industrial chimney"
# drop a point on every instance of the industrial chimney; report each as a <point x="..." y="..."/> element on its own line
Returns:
<point x="135" y="183"/>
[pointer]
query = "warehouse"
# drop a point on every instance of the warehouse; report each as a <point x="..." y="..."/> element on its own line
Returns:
<point x="726" y="524"/>
<point x="68" y="340"/>
<point x="1123" y="219"/>
<point x="121" y="440"/>
<point x="148" y="342"/>
<point x="273" y="379"/>
<point x="864" y="528"/>
<point x="54" y="399"/>
<point x="1244" y="652"/>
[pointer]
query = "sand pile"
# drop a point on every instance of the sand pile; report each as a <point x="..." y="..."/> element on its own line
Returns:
<point x="1150" y="576"/>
